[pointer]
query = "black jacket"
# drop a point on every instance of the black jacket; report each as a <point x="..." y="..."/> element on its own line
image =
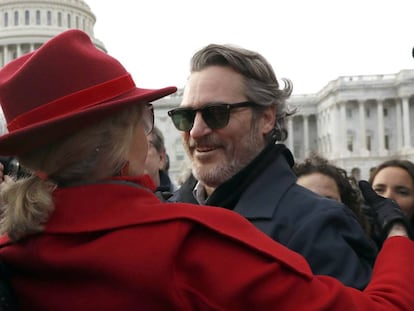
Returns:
<point x="324" y="231"/>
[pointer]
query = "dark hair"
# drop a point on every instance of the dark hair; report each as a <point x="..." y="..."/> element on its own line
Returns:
<point x="406" y="165"/>
<point x="157" y="139"/>
<point x="347" y="185"/>
<point x="262" y="86"/>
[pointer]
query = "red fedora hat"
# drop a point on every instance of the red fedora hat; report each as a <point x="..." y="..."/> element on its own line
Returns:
<point x="63" y="86"/>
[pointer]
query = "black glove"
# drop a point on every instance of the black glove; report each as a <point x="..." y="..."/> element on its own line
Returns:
<point x="385" y="212"/>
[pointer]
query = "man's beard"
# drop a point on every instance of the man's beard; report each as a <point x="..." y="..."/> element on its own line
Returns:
<point x="247" y="150"/>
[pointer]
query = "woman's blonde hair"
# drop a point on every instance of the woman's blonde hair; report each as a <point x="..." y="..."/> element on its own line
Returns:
<point x="90" y="154"/>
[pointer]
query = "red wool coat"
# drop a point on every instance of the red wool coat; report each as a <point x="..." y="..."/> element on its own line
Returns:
<point x="115" y="246"/>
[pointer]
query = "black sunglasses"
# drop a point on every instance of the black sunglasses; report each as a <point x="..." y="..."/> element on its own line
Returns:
<point x="216" y="116"/>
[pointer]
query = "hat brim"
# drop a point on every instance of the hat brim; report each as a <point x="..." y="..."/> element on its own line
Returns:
<point x="39" y="134"/>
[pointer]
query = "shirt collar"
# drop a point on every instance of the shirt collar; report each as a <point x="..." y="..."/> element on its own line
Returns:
<point x="199" y="193"/>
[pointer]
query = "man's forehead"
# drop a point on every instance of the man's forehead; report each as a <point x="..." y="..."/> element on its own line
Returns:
<point x="213" y="85"/>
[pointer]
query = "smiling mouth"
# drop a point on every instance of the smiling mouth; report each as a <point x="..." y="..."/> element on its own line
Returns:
<point x="205" y="149"/>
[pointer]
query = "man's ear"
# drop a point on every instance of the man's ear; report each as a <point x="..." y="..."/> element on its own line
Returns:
<point x="268" y="120"/>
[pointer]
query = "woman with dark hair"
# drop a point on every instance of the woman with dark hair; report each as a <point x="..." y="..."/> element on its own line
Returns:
<point x="394" y="179"/>
<point x="320" y="176"/>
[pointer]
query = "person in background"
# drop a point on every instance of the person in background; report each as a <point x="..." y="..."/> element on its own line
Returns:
<point x="157" y="161"/>
<point x="232" y="118"/>
<point x="328" y="180"/>
<point x="86" y="232"/>
<point x="394" y="179"/>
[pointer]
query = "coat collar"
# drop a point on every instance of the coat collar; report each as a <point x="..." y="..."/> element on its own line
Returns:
<point x="262" y="197"/>
<point x="103" y="205"/>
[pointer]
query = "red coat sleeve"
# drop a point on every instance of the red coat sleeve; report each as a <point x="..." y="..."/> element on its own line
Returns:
<point x="219" y="273"/>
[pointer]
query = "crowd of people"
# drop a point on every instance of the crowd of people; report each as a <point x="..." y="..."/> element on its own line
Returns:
<point x="97" y="224"/>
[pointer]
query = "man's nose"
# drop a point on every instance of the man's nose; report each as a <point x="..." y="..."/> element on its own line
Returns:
<point x="200" y="127"/>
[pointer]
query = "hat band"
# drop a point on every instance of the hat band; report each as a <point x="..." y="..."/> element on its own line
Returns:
<point x="74" y="102"/>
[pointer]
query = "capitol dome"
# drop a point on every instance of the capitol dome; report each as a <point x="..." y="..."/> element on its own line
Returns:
<point x="26" y="24"/>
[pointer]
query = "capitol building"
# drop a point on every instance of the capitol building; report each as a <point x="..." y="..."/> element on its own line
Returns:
<point x="356" y="122"/>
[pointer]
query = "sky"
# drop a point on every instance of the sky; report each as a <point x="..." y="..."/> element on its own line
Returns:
<point x="311" y="42"/>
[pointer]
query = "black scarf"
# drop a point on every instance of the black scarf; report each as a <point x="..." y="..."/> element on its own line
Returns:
<point x="228" y="194"/>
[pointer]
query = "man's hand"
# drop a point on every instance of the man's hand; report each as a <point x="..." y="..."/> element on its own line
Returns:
<point x="385" y="212"/>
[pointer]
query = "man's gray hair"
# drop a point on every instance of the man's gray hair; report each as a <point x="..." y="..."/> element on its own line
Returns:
<point x="262" y="86"/>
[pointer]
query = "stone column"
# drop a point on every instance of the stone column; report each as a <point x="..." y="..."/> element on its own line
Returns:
<point x="333" y="139"/>
<point x="362" y="130"/>
<point x="306" y="135"/>
<point x="18" y="50"/>
<point x="406" y="123"/>
<point x="380" y="127"/>
<point x="290" y="138"/>
<point x="398" y="124"/>
<point x="2" y="63"/>
<point x="5" y="55"/>
<point x="342" y="129"/>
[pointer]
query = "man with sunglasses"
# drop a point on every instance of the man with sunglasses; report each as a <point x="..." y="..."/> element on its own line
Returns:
<point x="232" y="119"/>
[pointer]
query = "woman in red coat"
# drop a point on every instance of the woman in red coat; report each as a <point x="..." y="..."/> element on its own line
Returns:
<point x="85" y="232"/>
